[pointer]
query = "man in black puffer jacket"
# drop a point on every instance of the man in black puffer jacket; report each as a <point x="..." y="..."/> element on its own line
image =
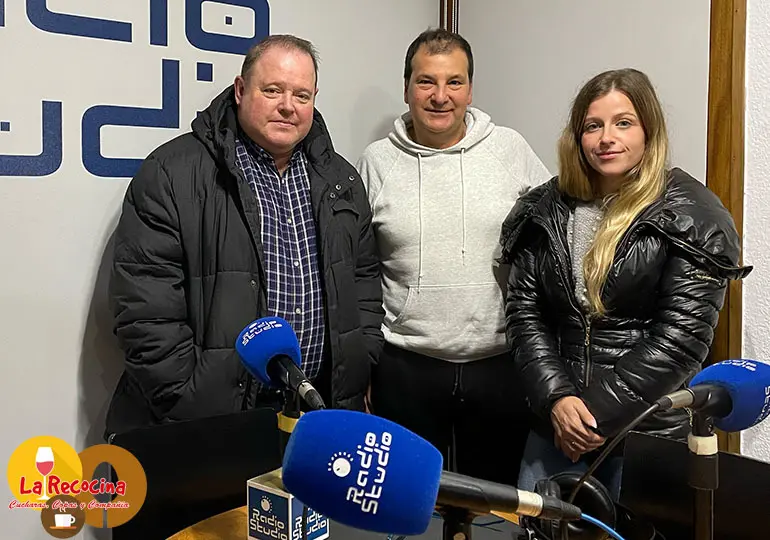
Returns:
<point x="252" y="214"/>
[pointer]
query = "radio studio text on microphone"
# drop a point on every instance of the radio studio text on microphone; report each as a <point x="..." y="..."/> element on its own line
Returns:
<point x="373" y="461"/>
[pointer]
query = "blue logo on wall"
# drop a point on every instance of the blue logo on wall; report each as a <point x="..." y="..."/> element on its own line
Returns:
<point x="98" y="116"/>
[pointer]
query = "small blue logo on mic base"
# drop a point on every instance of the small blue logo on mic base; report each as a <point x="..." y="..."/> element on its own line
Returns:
<point x="274" y="514"/>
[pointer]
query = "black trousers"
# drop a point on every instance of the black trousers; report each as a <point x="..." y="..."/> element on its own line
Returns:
<point x="472" y="412"/>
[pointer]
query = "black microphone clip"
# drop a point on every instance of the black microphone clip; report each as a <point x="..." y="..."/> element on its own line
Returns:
<point x="282" y="368"/>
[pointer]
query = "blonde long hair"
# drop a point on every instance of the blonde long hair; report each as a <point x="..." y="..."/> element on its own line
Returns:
<point x="644" y="183"/>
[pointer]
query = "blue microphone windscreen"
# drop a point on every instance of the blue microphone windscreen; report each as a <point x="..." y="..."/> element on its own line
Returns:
<point x="363" y="471"/>
<point x="748" y="383"/>
<point x="264" y="339"/>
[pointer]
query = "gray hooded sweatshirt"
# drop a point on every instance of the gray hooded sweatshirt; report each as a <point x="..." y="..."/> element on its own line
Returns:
<point x="437" y="216"/>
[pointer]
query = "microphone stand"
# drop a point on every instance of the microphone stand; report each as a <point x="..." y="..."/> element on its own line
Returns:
<point x="703" y="473"/>
<point x="457" y="523"/>
<point x="287" y="418"/>
<point x="456" y="519"/>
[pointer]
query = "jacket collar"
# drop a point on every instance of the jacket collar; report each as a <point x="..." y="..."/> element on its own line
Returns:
<point x="688" y="213"/>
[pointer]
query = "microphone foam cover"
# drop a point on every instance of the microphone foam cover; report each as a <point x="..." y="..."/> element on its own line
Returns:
<point x="264" y="339"/>
<point x="363" y="471"/>
<point x="748" y="383"/>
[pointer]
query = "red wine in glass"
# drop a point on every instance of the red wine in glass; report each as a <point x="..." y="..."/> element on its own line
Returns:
<point x="44" y="464"/>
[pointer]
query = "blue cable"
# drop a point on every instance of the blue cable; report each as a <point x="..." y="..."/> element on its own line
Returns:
<point x="602" y="526"/>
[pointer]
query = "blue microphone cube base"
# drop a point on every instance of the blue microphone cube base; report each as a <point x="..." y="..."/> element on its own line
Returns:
<point x="275" y="514"/>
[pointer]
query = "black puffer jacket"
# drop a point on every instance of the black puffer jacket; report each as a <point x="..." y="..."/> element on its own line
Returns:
<point x="663" y="295"/>
<point x="188" y="276"/>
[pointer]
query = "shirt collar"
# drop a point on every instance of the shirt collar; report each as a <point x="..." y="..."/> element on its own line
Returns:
<point x="263" y="155"/>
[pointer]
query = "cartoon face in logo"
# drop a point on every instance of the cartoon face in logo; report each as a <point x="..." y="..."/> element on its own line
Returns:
<point x="339" y="464"/>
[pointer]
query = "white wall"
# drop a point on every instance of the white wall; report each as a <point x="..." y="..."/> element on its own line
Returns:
<point x="60" y="360"/>
<point x="362" y="45"/>
<point x="756" y="218"/>
<point x="532" y="57"/>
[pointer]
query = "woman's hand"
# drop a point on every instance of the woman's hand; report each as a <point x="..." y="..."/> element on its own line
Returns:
<point x="572" y="421"/>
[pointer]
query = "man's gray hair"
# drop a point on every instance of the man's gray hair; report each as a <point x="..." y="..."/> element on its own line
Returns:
<point x="286" y="41"/>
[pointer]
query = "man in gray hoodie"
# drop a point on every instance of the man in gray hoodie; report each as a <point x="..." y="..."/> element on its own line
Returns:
<point x="440" y="186"/>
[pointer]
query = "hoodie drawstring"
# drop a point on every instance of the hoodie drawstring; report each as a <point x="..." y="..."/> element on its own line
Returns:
<point x="419" y="213"/>
<point x="462" y="185"/>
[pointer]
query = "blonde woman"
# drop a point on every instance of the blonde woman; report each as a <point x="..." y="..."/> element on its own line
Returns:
<point x="619" y="269"/>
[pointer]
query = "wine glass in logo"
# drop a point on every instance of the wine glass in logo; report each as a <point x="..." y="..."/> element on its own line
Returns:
<point x="44" y="464"/>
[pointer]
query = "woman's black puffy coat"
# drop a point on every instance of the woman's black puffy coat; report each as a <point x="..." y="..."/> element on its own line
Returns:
<point x="663" y="295"/>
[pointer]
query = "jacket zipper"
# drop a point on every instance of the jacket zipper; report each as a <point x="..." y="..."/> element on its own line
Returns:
<point x="587" y="372"/>
<point x="627" y="237"/>
<point x="563" y="265"/>
<point x="257" y="242"/>
<point x="258" y="294"/>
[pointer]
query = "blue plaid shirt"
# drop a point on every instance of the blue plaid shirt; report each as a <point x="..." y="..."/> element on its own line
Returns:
<point x="294" y="290"/>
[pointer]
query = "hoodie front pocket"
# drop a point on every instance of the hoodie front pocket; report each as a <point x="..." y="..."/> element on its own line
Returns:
<point x="405" y="310"/>
<point x="451" y="319"/>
